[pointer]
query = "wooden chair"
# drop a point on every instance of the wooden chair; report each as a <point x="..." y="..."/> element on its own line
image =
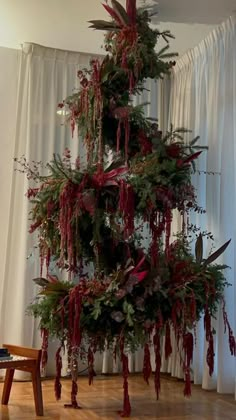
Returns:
<point x="27" y="360"/>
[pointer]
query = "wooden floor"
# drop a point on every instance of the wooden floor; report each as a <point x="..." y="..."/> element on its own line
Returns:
<point x="104" y="398"/>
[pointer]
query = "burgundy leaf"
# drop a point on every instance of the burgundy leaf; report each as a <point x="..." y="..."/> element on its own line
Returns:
<point x="217" y="253"/>
<point x="192" y="157"/>
<point x="199" y="249"/>
<point x="113" y="14"/>
<point x="131" y="10"/>
<point x="119" y="9"/>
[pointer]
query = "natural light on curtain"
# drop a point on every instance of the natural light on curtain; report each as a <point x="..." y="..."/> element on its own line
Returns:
<point x="203" y="98"/>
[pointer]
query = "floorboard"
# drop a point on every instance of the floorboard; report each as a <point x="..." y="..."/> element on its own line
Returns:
<point x="103" y="399"/>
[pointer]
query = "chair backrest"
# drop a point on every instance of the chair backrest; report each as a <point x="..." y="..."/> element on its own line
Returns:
<point x="24" y="351"/>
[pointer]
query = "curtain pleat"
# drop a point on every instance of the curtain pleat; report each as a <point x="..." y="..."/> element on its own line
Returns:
<point x="203" y="98"/>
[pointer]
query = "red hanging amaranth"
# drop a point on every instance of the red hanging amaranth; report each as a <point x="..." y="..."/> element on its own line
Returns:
<point x="188" y="343"/>
<point x="176" y="311"/>
<point x="74" y="390"/>
<point x="127" y="132"/>
<point x="207" y="323"/>
<point x="157" y="228"/>
<point x="147" y="368"/>
<point x="210" y="340"/>
<point x="57" y="385"/>
<point x="187" y="380"/>
<point x="193" y="308"/>
<point x="132" y="81"/>
<point x="67" y="203"/>
<point x="45" y="335"/>
<point x="145" y="143"/>
<point x="168" y="219"/>
<point x="122" y="114"/>
<point x="74" y="336"/>
<point x="125" y="370"/>
<point x="98" y="107"/>
<point x="76" y="302"/>
<point x="70" y="244"/>
<point x="90" y="365"/>
<point x="157" y="350"/>
<point x="232" y="342"/>
<point x="126" y="207"/>
<point x="168" y="347"/>
<point x="48" y="258"/>
<point x="72" y="122"/>
<point x="210" y="354"/>
<point x="126" y="45"/>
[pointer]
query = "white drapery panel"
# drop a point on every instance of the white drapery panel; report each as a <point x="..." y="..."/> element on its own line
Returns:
<point x="8" y="86"/>
<point x="46" y="77"/>
<point x="203" y="98"/>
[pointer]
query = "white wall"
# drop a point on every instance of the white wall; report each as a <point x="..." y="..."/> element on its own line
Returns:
<point x="8" y="95"/>
<point x="63" y="24"/>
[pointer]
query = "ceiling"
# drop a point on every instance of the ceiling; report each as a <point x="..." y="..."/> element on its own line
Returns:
<point x="192" y="11"/>
<point x="64" y="24"/>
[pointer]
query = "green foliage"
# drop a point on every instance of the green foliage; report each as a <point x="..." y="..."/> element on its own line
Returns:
<point x="90" y="214"/>
<point x="120" y="304"/>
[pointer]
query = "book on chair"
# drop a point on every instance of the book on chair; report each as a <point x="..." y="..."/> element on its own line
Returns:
<point x="4" y="354"/>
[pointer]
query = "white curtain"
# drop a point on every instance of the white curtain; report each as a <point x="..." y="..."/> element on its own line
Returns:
<point x="203" y="98"/>
<point x="46" y="77"/>
<point x="8" y="86"/>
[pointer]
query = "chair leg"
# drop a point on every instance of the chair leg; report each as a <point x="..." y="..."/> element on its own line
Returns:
<point x="7" y="385"/>
<point x="37" y="388"/>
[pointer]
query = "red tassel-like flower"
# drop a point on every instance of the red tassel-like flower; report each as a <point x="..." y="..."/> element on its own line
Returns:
<point x="168" y="347"/>
<point x="74" y="391"/>
<point x="57" y="385"/>
<point x="45" y="335"/>
<point x="232" y="342"/>
<point x="127" y="131"/>
<point x="209" y="339"/>
<point x="145" y="143"/>
<point x="90" y="365"/>
<point x="207" y="323"/>
<point x="157" y="348"/>
<point x="125" y="370"/>
<point x="210" y="355"/>
<point x="187" y="387"/>
<point x="168" y="229"/>
<point x="76" y="329"/>
<point x="126" y="206"/>
<point x="188" y="344"/>
<point x="147" y="368"/>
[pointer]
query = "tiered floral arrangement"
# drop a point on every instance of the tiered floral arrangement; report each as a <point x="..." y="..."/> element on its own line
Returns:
<point x="132" y="297"/>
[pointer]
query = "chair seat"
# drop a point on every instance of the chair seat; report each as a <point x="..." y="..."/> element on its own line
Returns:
<point x="28" y="360"/>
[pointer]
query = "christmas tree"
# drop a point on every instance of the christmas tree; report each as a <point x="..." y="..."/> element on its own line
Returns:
<point x="95" y="215"/>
